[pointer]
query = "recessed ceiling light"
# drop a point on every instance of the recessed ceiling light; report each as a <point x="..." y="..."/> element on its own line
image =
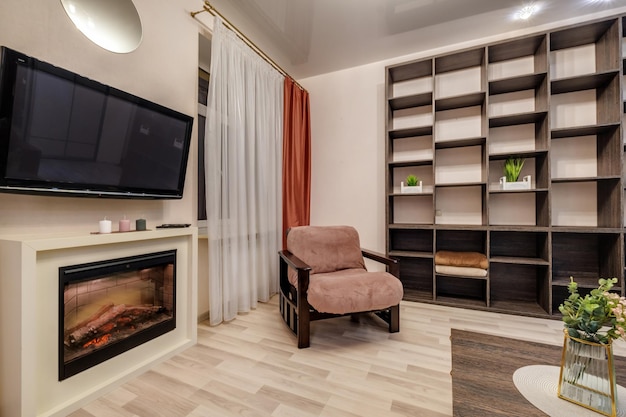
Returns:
<point x="527" y="11"/>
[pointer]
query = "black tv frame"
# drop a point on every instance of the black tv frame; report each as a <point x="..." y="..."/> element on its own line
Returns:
<point x="10" y="60"/>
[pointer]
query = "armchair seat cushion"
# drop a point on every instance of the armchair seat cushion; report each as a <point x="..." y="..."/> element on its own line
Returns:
<point x="353" y="290"/>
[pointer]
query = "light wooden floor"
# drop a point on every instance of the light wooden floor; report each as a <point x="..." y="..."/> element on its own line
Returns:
<point x="251" y="367"/>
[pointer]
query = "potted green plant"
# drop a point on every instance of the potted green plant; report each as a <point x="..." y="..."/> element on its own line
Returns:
<point x="512" y="169"/>
<point x="413" y="185"/>
<point x="599" y="316"/>
<point x="591" y="324"/>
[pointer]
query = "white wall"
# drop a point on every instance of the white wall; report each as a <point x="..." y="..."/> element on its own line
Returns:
<point x="348" y="140"/>
<point x="348" y="148"/>
<point x="163" y="69"/>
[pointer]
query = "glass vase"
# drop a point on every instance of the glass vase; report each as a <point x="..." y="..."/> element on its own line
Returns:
<point x="587" y="375"/>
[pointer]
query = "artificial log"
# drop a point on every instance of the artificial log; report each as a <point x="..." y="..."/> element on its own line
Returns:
<point x="89" y="319"/>
<point x="109" y="320"/>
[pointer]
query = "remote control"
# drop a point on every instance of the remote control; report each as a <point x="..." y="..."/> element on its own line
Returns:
<point x="173" y="225"/>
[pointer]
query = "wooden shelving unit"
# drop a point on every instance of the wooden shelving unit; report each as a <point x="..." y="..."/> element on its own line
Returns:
<point x="553" y="98"/>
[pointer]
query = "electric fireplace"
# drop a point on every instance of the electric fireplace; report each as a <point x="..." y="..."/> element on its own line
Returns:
<point x="109" y="307"/>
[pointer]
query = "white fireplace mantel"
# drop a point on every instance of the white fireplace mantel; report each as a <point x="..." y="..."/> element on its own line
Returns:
<point x="29" y="310"/>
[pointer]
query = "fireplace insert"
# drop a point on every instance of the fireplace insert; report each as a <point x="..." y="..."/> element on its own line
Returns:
<point x="109" y="307"/>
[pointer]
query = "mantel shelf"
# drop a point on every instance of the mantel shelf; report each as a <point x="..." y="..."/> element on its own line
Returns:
<point x="41" y="242"/>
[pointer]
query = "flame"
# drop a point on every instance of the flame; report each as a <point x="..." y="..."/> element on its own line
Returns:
<point x="98" y="341"/>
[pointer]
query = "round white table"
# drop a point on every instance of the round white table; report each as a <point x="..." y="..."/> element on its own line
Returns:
<point x="539" y="385"/>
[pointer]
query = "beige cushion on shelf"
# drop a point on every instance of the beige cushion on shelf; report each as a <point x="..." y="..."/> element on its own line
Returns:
<point x="463" y="271"/>
<point x="455" y="258"/>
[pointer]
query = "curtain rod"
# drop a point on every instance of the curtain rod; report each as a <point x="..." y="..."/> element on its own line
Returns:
<point x="207" y="7"/>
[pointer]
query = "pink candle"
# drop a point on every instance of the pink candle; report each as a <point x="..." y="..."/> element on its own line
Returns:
<point x="125" y="225"/>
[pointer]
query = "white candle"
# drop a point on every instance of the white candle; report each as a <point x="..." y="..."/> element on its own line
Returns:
<point x="105" y="226"/>
<point x="124" y="225"/>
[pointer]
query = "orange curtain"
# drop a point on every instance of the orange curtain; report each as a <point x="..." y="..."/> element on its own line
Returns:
<point x="296" y="158"/>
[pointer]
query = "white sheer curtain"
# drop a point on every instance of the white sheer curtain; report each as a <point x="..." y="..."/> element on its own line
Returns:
<point x="243" y="164"/>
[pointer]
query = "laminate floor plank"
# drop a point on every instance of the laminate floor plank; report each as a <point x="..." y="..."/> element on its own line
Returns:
<point x="156" y="401"/>
<point x="223" y="405"/>
<point x="106" y="408"/>
<point x="251" y="366"/>
<point x="260" y="403"/>
<point x="362" y="408"/>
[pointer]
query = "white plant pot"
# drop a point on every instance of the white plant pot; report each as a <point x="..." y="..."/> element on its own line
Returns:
<point x="406" y="189"/>
<point x="518" y="185"/>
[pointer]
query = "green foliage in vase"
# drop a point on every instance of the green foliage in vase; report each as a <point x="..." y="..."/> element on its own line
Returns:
<point x="599" y="316"/>
<point x="412" y="180"/>
<point x="512" y="168"/>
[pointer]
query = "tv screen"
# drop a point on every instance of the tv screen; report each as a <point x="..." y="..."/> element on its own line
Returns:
<point x="64" y="134"/>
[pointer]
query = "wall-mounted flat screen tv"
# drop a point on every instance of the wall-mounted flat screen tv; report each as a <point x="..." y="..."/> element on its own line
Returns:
<point x="64" y="134"/>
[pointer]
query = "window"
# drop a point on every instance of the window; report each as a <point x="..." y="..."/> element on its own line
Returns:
<point x="203" y="89"/>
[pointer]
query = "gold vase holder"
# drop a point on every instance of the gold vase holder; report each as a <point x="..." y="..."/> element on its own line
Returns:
<point x="587" y="376"/>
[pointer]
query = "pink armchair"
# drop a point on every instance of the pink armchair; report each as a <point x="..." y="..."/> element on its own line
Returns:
<point x="323" y="275"/>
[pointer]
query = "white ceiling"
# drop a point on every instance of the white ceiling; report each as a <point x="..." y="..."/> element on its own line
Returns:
<point x="312" y="37"/>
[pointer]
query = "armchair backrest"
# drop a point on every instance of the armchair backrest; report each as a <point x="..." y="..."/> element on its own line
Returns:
<point x="326" y="248"/>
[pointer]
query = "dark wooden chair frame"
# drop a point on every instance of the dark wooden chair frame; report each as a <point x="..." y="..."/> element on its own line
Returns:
<point x="298" y="314"/>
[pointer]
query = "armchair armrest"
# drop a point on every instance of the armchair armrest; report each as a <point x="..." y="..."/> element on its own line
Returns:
<point x="392" y="264"/>
<point x="293" y="261"/>
<point x="301" y="268"/>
